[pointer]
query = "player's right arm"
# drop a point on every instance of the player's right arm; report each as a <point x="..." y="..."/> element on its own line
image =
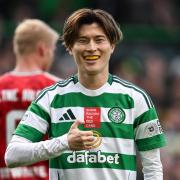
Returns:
<point x="22" y="151"/>
<point x="27" y="145"/>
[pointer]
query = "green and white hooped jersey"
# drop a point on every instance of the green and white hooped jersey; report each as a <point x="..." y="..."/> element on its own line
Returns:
<point x="128" y="120"/>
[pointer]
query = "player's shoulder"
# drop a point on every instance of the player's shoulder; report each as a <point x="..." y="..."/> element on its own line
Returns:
<point x="55" y="88"/>
<point x="133" y="90"/>
<point x="122" y="82"/>
<point x="127" y="86"/>
<point x="61" y="83"/>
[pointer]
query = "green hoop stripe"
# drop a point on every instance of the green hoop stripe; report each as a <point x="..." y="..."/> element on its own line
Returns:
<point x="29" y="133"/>
<point x="151" y="143"/>
<point x="106" y="100"/>
<point x="107" y="129"/>
<point x="145" y="117"/>
<point x="38" y="110"/>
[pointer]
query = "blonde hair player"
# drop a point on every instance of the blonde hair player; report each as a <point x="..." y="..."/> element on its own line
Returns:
<point x="34" y="43"/>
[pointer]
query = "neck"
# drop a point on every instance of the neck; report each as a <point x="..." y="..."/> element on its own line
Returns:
<point x="27" y="64"/>
<point x="93" y="81"/>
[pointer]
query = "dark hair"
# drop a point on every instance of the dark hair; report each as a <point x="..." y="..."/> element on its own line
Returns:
<point x="89" y="16"/>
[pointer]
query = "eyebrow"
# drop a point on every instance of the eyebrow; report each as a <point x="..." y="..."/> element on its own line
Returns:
<point x="97" y="36"/>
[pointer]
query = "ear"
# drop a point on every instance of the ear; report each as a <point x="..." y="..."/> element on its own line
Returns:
<point x="112" y="48"/>
<point x="69" y="50"/>
<point x="41" y="49"/>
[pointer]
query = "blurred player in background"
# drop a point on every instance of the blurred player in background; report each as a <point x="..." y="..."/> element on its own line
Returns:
<point x="117" y="115"/>
<point x="34" y="45"/>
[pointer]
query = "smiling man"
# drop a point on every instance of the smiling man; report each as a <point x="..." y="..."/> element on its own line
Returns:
<point x="95" y="120"/>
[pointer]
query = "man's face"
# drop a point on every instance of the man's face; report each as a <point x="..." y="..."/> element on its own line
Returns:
<point x="92" y="50"/>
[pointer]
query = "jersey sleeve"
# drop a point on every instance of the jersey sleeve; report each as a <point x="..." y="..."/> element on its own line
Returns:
<point x="36" y="120"/>
<point x="148" y="131"/>
<point x="34" y="123"/>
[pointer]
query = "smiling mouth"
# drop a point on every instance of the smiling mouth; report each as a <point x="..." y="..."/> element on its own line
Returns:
<point x="91" y="57"/>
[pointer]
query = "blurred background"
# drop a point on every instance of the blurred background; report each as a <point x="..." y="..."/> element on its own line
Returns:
<point x="149" y="55"/>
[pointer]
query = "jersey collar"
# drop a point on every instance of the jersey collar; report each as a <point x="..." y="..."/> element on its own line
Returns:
<point x="110" y="78"/>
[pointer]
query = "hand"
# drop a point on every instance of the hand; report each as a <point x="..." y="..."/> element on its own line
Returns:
<point x="77" y="139"/>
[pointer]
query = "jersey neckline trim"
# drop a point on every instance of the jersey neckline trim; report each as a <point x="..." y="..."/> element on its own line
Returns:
<point x="110" y="79"/>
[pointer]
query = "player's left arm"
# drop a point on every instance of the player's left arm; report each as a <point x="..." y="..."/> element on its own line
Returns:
<point x="152" y="166"/>
<point x="149" y="137"/>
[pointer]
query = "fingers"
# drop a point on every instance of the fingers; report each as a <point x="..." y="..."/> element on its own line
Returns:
<point x="76" y="124"/>
<point x="88" y="138"/>
<point x="85" y="134"/>
<point x="78" y="138"/>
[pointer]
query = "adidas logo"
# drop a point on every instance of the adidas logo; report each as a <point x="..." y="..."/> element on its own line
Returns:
<point x="67" y="116"/>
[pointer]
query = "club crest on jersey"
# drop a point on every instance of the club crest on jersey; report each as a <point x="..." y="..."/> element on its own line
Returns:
<point x="116" y="115"/>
